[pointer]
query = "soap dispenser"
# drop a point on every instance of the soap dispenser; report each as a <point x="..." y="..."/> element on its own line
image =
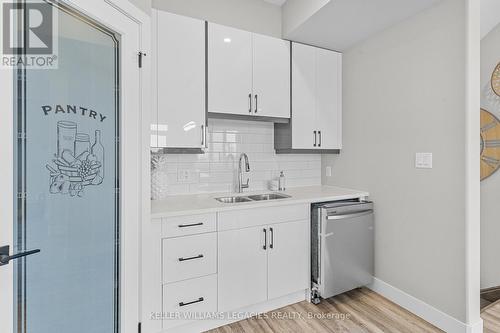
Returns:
<point x="281" y="183"/>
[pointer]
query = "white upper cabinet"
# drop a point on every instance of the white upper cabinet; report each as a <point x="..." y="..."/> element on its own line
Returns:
<point x="303" y="96"/>
<point x="179" y="70"/>
<point x="316" y="122"/>
<point x="229" y="70"/>
<point x="248" y="74"/>
<point x="329" y="99"/>
<point x="271" y="76"/>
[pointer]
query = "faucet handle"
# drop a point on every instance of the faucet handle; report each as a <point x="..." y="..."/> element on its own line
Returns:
<point x="246" y="185"/>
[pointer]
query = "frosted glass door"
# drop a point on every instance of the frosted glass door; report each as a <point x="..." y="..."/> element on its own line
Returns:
<point x="67" y="198"/>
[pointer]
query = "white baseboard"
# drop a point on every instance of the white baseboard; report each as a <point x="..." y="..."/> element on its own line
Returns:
<point x="476" y="328"/>
<point x="425" y="311"/>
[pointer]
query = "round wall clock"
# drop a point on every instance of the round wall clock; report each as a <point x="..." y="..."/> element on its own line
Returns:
<point x="490" y="144"/>
<point x="495" y="80"/>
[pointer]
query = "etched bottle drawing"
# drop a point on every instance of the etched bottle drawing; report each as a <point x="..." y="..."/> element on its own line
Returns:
<point x="98" y="152"/>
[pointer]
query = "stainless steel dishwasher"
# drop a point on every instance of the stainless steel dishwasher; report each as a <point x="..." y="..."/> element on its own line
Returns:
<point x="342" y="247"/>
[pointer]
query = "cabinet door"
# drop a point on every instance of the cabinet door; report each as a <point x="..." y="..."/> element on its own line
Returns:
<point x="242" y="268"/>
<point x="229" y="70"/>
<point x="271" y="76"/>
<point x="329" y="98"/>
<point x="288" y="263"/>
<point x="180" y="63"/>
<point x="303" y="96"/>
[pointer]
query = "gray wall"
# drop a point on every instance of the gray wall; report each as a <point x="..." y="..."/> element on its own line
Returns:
<point x="490" y="187"/>
<point x="145" y="5"/>
<point x="251" y="15"/>
<point x="404" y="93"/>
<point x="296" y="12"/>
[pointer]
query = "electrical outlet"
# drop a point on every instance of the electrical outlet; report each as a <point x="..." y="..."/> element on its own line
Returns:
<point x="183" y="176"/>
<point x="328" y="171"/>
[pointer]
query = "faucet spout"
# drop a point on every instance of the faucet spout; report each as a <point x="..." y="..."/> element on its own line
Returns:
<point x="241" y="186"/>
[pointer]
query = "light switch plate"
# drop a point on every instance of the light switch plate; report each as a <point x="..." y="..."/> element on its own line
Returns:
<point x="423" y="160"/>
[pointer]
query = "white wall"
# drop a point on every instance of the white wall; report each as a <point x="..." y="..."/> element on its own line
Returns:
<point x="490" y="187"/>
<point x="404" y="93"/>
<point x="251" y="15"/>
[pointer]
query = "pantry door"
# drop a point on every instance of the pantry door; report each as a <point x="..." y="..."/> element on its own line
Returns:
<point x="70" y="201"/>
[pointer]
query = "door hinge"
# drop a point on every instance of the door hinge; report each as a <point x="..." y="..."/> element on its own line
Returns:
<point x="22" y="195"/>
<point x="139" y="328"/>
<point x="21" y="136"/>
<point x="140" y="55"/>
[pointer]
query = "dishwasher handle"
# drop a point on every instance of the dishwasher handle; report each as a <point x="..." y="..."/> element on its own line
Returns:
<point x="350" y="215"/>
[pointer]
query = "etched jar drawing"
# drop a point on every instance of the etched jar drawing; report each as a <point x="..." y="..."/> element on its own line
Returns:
<point x="66" y="137"/>
<point x="82" y="144"/>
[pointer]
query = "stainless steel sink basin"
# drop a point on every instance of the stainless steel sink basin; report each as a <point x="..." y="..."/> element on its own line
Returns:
<point x="233" y="199"/>
<point x="256" y="197"/>
<point x="268" y="196"/>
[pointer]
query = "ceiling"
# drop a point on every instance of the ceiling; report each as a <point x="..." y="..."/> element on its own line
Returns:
<point x="340" y="24"/>
<point x="276" y="2"/>
<point x="490" y="16"/>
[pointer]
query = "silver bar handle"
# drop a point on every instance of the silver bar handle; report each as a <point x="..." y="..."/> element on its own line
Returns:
<point x="203" y="135"/>
<point x="199" y="256"/>
<point x="249" y="103"/>
<point x="350" y="215"/>
<point x="314" y="132"/>
<point x="190" y="225"/>
<point x="319" y="133"/>
<point x="256" y="102"/>
<point x="201" y="299"/>
<point x="271" y="243"/>
<point x="265" y="239"/>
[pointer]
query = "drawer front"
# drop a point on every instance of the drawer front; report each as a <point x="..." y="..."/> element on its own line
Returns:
<point x="185" y="298"/>
<point x="238" y="219"/>
<point x="189" y="257"/>
<point x="188" y="225"/>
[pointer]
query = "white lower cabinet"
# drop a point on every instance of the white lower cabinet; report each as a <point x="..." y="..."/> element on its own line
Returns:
<point x="189" y="257"/>
<point x="288" y="258"/>
<point x="183" y="300"/>
<point x="251" y="257"/>
<point x="261" y="263"/>
<point x="242" y="268"/>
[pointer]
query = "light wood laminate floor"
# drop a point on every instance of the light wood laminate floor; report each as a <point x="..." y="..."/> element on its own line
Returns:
<point x="491" y="318"/>
<point x="360" y="310"/>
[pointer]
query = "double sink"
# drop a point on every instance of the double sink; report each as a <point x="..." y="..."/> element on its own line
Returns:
<point x="256" y="197"/>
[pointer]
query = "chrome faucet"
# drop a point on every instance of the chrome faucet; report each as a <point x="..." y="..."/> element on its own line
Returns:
<point x="241" y="186"/>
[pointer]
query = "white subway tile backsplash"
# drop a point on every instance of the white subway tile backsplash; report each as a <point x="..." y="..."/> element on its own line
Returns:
<point x="217" y="169"/>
